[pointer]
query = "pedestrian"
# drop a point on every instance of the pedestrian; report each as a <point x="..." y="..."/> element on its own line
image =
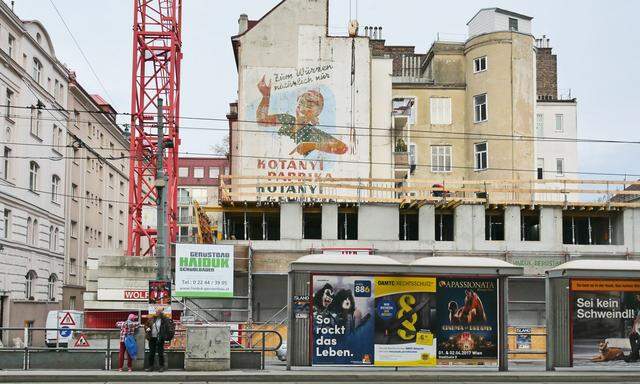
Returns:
<point x="127" y="328"/>
<point x="159" y="330"/>
<point x="634" y="338"/>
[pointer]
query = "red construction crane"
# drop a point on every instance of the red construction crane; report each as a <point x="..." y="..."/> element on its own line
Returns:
<point x="157" y="54"/>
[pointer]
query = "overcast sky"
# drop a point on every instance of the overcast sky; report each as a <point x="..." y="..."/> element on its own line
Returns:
<point x="596" y="43"/>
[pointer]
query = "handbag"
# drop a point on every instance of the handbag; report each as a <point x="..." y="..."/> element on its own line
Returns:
<point x="131" y="345"/>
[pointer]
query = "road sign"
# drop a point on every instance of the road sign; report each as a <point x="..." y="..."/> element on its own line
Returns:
<point x="65" y="332"/>
<point x="67" y="319"/>
<point x="82" y="342"/>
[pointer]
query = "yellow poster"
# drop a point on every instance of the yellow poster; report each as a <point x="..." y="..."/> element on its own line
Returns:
<point x="405" y="321"/>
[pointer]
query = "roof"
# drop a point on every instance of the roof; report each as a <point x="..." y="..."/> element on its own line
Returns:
<point x="370" y="264"/>
<point x="462" y="261"/>
<point x="597" y="268"/>
<point x="632" y="187"/>
<point x="502" y="11"/>
<point x="327" y="258"/>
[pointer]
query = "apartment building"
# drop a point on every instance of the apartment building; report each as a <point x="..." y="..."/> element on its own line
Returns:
<point x="556" y="123"/>
<point x="97" y="185"/>
<point x="34" y="91"/>
<point x="198" y="181"/>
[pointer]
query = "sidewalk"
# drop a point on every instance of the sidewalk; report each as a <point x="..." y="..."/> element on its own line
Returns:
<point x="328" y="376"/>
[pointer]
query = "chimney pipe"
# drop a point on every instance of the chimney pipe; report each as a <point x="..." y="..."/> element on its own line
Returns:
<point x="243" y="23"/>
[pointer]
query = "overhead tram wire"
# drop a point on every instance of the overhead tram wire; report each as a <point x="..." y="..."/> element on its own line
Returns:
<point x="474" y="135"/>
<point x="86" y="59"/>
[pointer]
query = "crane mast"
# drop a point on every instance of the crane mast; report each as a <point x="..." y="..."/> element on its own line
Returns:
<point x="156" y="75"/>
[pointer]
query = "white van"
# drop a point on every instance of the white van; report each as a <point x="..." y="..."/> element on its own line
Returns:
<point x="69" y="320"/>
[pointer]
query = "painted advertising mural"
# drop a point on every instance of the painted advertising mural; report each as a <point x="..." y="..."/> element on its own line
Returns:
<point x="303" y="122"/>
<point x="404" y="321"/>
<point x="605" y="322"/>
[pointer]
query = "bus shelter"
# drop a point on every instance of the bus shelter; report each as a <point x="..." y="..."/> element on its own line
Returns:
<point x="370" y="310"/>
<point x="592" y="308"/>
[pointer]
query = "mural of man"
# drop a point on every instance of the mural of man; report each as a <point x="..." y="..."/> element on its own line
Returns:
<point x="301" y="128"/>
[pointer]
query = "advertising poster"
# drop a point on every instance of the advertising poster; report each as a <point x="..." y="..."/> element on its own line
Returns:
<point x="405" y="321"/>
<point x="160" y="296"/>
<point x="343" y="324"/>
<point x="204" y="270"/>
<point x="605" y="322"/>
<point x="468" y="325"/>
<point x="301" y="306"/>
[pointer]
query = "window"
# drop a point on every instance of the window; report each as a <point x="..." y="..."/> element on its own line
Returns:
<point x="51" y="287"/>
<point x="480" y="64"/>
<point x="494" y="225"/>
<point x="55" y="188"/>
<point x="9" y="103"/>
<point x="30" y="278"/>
<point x="36" y="117"/>
<point x="11" y="43"/>
<point x="51" y="238"/>
<point x="440" y="110"/>
<point x="559" y="123"/>
<point x="513" y="24"/>
<point x="200" y="195"/>
<point x="34" y="168"/>
<point x="74" y="229"/>
<point x="56" y="234"/>
<point x="413" y="156"/>
<point x="529" y="225"/>
<point x="481" y="156"/>
<point x="409" y="224"/>
<point x="198" y="172"/>
<point x="540" y="168"/>
<point x="73" y="266"/>
<point x="111" y="179"/>
<point x="539" y="125"/>
<point x="37" y="70"/>
<point x="312" y="223"/>
<point x="57" y="137"/>
<point x="35" y="235"/>
<point x="560" y="167"/>
<point x="55" y="89"/>
<point x="72" y="302"/>
<point x="29" y="233"/>
<point x="122" y="188"/>
<point x="347" y="224"/>
<point x="74" y="192"/>
<point x="440" y="158"/>
<point x="444" y="226"/>
<point x="183" y="172"/>
<point x="6" y="229"/>
<point x="214" y="172"/>
<point x="5" y="165"/>
<point x="480" y="108"/>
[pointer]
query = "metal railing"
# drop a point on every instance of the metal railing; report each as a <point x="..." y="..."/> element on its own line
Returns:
<point x="107" y="335"/>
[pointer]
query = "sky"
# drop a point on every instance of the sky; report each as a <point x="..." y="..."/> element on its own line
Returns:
<point x="596" y="43"/>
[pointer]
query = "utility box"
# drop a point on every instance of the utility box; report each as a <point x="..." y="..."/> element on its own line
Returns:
<point x="208" y="348"/>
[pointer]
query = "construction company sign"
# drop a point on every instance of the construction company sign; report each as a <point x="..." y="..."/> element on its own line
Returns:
<point x="126" y="294"/>
<point x="204" y="270"/>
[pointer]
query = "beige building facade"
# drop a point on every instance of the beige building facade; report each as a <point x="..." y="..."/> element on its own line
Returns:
<point x="97" y="185"/>
<point x="464" y="110"/>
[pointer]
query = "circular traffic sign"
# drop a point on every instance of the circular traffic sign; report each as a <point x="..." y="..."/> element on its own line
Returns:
<point x="65" y="332"/>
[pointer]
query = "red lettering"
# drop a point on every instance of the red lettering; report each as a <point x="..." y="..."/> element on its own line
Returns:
<point x="303" y="165"/>
<point x="292" y="165"/>
<point x="283" y="164"/>
<point x="273" y="164"/>
<point x="261" y="164"/>
<point x="136" y="295"/>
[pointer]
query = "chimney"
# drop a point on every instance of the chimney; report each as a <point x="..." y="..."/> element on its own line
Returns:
<point x="546" y="70"/>
<point x="243" y="23"/>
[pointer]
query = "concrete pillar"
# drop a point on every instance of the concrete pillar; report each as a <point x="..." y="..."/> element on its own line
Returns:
<point x="462" y="222"/>
<point x="329" y="221"/>
<point x="291" y="221"/>
<point x="512" y="225"/>
<point x="631" y="228"/>
<point x="378" y="222"/>
<point x="426" y="223"/>
<point x="551" y="226"/>
<point x="478" y="225"/>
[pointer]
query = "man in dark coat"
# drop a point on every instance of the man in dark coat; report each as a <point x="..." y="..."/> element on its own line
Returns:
<point x="158" y="330"/>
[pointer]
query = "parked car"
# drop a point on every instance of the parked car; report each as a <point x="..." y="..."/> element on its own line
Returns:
<point x="281" y="353"/>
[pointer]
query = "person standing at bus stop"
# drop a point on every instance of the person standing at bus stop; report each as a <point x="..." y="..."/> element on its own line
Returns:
<point x="159" y="330"/>
<point x="127" y="328"/>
